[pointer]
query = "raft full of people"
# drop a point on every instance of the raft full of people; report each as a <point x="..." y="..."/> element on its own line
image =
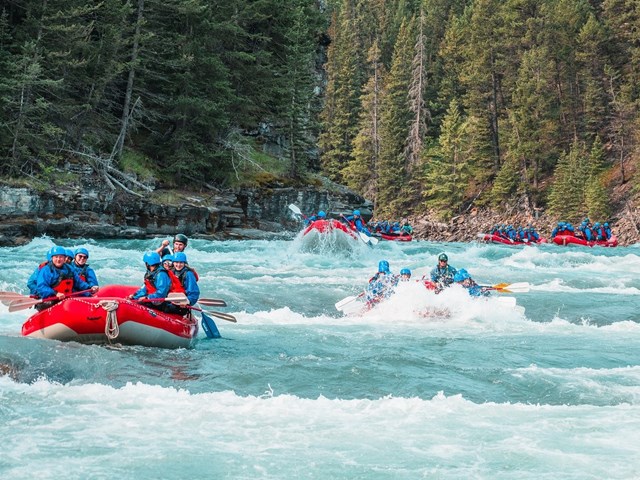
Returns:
<point x="384" y="284"/>
<point x="73" y="307"/>
<point x="586" y="234"/>
<point x="564" y="234"/>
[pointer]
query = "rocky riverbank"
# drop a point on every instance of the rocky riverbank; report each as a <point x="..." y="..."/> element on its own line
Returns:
<point x="87" y="210"/>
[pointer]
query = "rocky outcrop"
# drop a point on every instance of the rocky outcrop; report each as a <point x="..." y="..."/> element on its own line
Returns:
<point x="89" y="211"/>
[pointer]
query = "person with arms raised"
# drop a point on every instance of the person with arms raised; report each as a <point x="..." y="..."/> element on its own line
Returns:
<point x="180" y="242"/>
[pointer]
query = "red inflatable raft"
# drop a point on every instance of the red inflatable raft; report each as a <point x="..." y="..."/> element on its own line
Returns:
<point x="493" y="238"/>
<point x="328" y="226"/>
<point x="397" y="237"/>
<point x="108" y="317"/>
<point x="565" y="240"/>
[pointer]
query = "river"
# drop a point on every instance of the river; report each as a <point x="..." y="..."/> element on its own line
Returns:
<point x="477" y="389"/>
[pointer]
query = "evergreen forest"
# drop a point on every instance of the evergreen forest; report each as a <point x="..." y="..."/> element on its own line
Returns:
<point x="419" y="105"/>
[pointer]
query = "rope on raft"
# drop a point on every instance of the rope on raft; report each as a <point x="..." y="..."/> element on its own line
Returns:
<point x="111" y="328"/>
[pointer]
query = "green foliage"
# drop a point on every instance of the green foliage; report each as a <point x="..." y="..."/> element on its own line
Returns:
<point x="567" y="196"/>
<point x="596" y="199"/>
<point x="447" y="170"/>
<point x="342" y="105"/>
<point x="187" y="73"/>
<point x="396" y="115"/>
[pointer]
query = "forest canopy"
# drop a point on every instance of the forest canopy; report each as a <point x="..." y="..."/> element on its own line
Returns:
<point x="419" y="105"/>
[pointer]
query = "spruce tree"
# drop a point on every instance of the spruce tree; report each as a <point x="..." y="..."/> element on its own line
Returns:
<point x="360" y="173"/>
<point x="342" y="102"/>
<point x="597" y="202"/>
<point x="447" y="169"/>
<point x="396" y="115"/>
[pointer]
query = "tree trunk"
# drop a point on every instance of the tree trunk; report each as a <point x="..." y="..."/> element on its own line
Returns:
<point x="117" y="150"/>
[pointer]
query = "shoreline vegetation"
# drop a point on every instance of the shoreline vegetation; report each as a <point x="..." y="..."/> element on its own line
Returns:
<point x="455" y="114"/>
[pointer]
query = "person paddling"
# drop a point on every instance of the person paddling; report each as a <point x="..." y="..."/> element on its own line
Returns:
<point x="187" y="277"/>
<point x="463" y="278"/>
<point x="443" y="273"/>
<point x="58" y="279"/>
<point x="381" y="285"/>
<point x="80" y="265"/>
<point x="321" y="215"/>
<point x="158" y="282"/>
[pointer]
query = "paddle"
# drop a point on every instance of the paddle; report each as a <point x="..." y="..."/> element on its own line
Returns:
<point x="212" y="302"/>
<point x="346" y="301"/>
<point x="223" y="316"/>
<point x="174" y="297"/>
<point x="367" y="239"/>
<point x="18" y="305"/>
<point x="521" y="287"/>
<point x="9" y="297"/>
<point x="12" y="296"/>
<point x="296" y="210"/>
<point x="209" y="326"/>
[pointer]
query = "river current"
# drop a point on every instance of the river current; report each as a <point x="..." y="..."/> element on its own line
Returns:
<point x="445" y="387"/>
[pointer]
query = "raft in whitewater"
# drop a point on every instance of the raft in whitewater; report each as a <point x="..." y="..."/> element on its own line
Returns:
<point x="566" y="240"/>
<point x="493" y="238"/>
<point x="109" y="317"/>
<point x="328" y="234"/>
<point x="395" y="237"/>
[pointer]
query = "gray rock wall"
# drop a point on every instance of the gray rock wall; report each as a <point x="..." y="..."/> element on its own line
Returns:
<point x="90" y="212"/>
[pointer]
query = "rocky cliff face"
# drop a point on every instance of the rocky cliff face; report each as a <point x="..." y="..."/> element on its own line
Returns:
<point x="91" y="212"/>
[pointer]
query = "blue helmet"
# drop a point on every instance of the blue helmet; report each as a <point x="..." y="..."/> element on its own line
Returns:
<point x="606" y="224"/>
<point x="180" y="257"/>
<point x="81" y="251"/>
<point x="461" y="275"/>
<point x="443" y="257"/>
<point x="50" y="253"/>
<point x="383" y="266"/>
<point x="356" y="213"/>
<point x="58" y="250"/>
<point x="321" y="214"/>
<point x="405" y="271"/>
<point x="167" y="258"/>
<point x="597" y="224"/>
<point x="68" y="252"/>
<point x="151" y="258"/>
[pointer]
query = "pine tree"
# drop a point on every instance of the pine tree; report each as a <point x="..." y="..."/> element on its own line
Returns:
<point x="567" y="195"/>
<point x="447" y="172"/>
<point x="27" y="101"/>
<point x="298" y="70"/>
<point x="394" y="128"/>
<point x="360" y="173"/>
<point x="592" y="58"/>
<point x="342" y="104"/>
<point x="533" y="117"/>
<point x="596" y="196"/>
<point x="420" y="115"/>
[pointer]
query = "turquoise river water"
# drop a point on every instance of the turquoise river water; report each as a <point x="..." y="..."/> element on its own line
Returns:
<point x="548" y="389"/>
